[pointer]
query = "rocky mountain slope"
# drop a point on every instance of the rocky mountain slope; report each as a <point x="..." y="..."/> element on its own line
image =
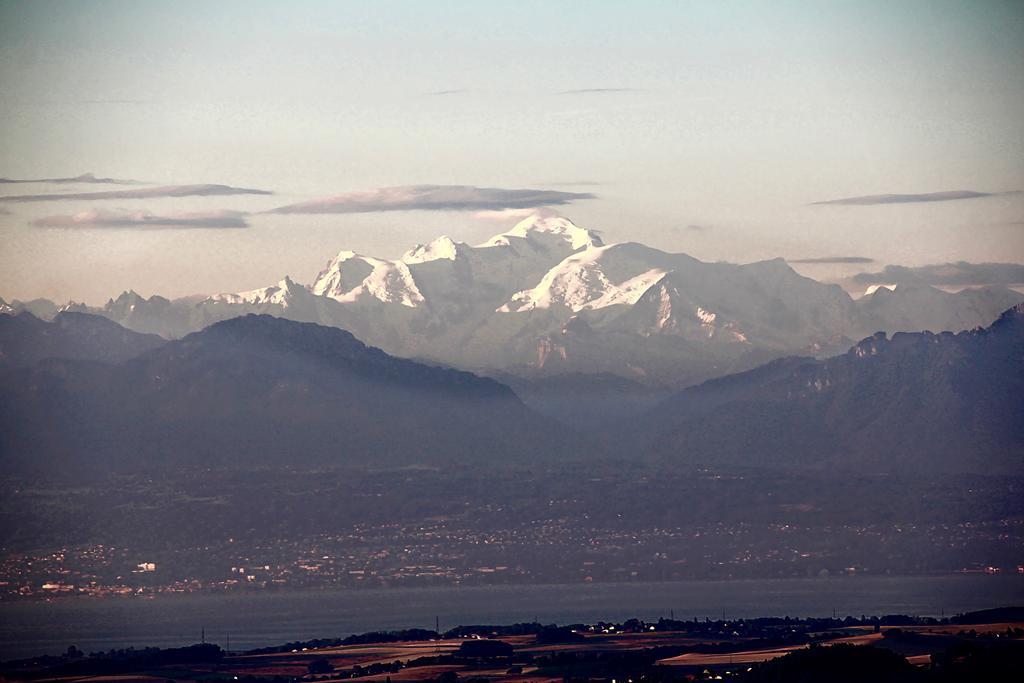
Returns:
<point x="912" y="402"/>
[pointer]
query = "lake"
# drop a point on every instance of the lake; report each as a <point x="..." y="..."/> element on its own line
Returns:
<point x="270" y="618"/>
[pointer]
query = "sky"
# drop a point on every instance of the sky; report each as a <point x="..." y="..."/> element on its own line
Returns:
<point x="711" y="128"/>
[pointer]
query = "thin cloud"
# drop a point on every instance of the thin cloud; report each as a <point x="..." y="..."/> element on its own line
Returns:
<point x="115" y="101"/>
<point x="573" y="183"/>
<point x="441" y="93"/>
<point x="76" y="103"/>
<point x="948" y="196"/>
<point x="434" y="198"/>
<point x="506" y="215"/>
<point x="588" y="91"/>
<point x="833" y="259"/>
<point x="144" y="220"/>
<point x="961" y="273"/>
<point x="85" y="178"/>
<point x="141" y="193"/>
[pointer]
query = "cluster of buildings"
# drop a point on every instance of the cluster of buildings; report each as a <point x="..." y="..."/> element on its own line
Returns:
<point x="556" y="550"/>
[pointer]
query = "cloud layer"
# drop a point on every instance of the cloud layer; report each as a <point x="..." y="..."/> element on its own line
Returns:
<point x="872" y="199"/>
<point x="144" y="220"/>
<point x="434" y="198"/>
<point x="141" y="193"/>
<point x="573" y="183"/>
<point x="833" y="259"/>
<point x="586" y="91"/>
<point x="959" y="274"/>
<point x="84" y="178"/>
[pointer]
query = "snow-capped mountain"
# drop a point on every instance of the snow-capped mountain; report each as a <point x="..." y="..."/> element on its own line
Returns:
<point x="284" y="294"/>
<point x="653" y="292"/>
<point x="352" y="278"/>
<point x="429" y="275"/>
<point x="549" y="297"/>
<point x="597" y="277"/>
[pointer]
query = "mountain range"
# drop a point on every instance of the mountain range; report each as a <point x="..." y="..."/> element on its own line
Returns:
<point x="259" y="390"/>
<point x="910" y="403"/>
<point x="250" y="391"/>
<point x="25" y="339"/>
<point x="549" y="299"/>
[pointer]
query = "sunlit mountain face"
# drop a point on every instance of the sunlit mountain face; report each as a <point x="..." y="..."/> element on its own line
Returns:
<point x="549" y="297"/>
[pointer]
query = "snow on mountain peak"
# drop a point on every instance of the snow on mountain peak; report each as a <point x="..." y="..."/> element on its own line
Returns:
<point x="281" y="294"/>
<point x="444" y="247"/>
<point x="594" y="278"/>
<point x="345" y="255"/>
<point x="350" y="277"/>
<point x="543" y="224"/>
<point x="874" y="288"/>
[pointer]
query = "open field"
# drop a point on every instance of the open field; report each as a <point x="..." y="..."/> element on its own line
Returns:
<point x="671" y="655"/>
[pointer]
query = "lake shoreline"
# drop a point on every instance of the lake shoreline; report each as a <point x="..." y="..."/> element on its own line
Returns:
<point x="253" y="620"/>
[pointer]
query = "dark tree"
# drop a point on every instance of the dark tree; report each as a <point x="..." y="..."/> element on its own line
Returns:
<point x="320" y="666"/>
<point x="486" y="649"/>
<point x="840" y="663"/>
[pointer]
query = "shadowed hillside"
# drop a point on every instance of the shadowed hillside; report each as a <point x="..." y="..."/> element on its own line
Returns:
<point x="261" y="390"/>
<point x="913" y="402"/>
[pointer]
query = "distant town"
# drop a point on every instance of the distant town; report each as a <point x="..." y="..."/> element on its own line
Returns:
<point x="449" y="552"/>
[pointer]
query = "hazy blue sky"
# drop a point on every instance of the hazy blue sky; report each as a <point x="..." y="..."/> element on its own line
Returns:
<point x="707" y="128"/>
